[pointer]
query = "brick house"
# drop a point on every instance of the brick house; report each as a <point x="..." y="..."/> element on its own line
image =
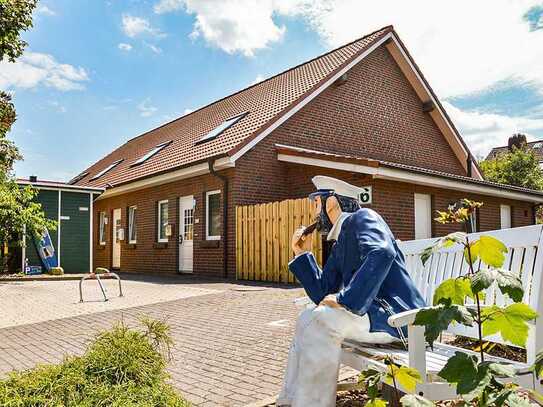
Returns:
<point x="519" y="140"/>
<point x="363" y="113"/>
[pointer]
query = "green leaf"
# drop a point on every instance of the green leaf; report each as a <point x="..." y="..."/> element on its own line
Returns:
<point x="461" y="369"/>
<point x="510" y="322"/>
<point x="376" y="403"/>
<point x="473" y="253"/>
<point x="508" y="282"/>
<point x="500" y="369"/>
<point x="538" y="364"/>
<point x="414" y="400"/>
<point x="437" y="319"/>
<point x="370" y="380"/>
<point x="490" y="250"/>
<point x="408" y="377"/>
<point x="444" y="242"/>
<point x="471" y="379"/>
<point x="455" y="289"/>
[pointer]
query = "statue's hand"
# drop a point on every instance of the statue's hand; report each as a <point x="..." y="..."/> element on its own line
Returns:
<point x="301" y="243"/>
<point x="331" y="301"/>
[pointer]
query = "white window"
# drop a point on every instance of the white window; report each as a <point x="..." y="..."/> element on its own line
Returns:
<point x="423" y="216"/>
<point x="162" y="220"/>
<point x="151" y="153"/>
<point x="107" y="169"/>
<point x="505" y="216"/>
<point x="222" y="127"/>
<point x="102" y="229"/>
<point x="78" y="178"/>
<point x="213" y="215"/>
<point x="132" y="228"/>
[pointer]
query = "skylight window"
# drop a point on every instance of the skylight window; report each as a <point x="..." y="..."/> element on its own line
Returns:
<point x="151" y="153"/>
<point x="107" y="169"/>
<point x="221" y="128"/>
<point x="77" y="178"/>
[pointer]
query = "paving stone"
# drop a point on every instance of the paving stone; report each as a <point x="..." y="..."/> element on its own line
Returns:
<point x="225" y="352"/>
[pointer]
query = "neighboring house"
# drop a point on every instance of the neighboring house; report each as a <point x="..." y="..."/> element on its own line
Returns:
<point x="536" y="146"/>
<point x="72" y="207"/>
<point x="363" y="113"/>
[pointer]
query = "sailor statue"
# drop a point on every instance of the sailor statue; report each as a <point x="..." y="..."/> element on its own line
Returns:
<point x="363" y="282"/>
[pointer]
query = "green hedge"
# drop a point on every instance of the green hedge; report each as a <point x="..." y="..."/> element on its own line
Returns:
<point x="121" y="367"/>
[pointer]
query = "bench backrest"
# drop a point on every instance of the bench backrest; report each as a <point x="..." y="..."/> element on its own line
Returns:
<point x="524" y="257"/>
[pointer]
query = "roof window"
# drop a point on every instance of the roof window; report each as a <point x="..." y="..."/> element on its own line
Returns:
<point x="225" y="125"/>
<point x="151" y="153"/>
<point x="78" y="178"/>
<point x="107" y="169"/>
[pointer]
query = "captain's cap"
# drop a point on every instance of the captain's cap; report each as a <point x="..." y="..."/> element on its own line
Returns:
<point x="328" y="185"/>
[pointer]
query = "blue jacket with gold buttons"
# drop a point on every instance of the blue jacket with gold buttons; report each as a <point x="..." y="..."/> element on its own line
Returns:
<point x="366" y="270"/>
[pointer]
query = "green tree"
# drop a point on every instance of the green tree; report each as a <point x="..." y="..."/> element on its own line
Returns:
<point x="18" y="208"/>
<point x="519" y="167"/>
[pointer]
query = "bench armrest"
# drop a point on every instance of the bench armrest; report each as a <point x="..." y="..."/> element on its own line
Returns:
<point x="403" y="318"/>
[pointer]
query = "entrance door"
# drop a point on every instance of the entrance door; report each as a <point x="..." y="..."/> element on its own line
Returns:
<point x="116" y="225"/>
<point x="423" y="216"/>
<point x="186" y="233"/>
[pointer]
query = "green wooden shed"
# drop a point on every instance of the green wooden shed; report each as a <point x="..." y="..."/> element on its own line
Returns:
<point x="71" y="207"/>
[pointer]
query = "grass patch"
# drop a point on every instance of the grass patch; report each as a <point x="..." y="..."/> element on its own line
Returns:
<point x="121" y="367"/>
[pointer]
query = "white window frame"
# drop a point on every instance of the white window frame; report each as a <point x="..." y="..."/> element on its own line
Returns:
<point x="102" y="228"/>
<point x="159" y="220"/>
<point x="131" y="223"/>
<point x="151" y="153"/>
<point x="221" y="128"/>
<point x="106" y="170"/>
<point x="208" y="236"/>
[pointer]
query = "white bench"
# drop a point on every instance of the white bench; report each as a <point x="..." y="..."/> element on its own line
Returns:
<point x="525" y="257"/>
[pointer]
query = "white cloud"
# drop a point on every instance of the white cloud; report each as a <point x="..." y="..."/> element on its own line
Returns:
<point x="462" y="47"/>
<point x="124" y="47"/>
<point x="234" y="26"/>
<point x="35" y="68"/>
<point x="57" y="106"/>
<point x="482" y="131"/>
<point x="134" y="26"/>
<point x="146" y="109"/>
<point x="187" y="111"/>
<point x="43" y="9"/>
<point x="167" y="6"/>
<point x="154" y="48"/>
<point x="259" y="78"/>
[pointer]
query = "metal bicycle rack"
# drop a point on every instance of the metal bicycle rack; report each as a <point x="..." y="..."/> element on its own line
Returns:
<point x="94" y="276"/>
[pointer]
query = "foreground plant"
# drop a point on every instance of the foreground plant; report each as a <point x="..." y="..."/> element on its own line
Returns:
<point x="477" y="380"/>
<point x="121" y="367"/>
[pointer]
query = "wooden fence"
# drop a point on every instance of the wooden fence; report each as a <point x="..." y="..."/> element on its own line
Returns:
<point x="263" y="236"/>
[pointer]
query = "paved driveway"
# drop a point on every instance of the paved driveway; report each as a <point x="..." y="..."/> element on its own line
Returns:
<point x="231" y="343"/>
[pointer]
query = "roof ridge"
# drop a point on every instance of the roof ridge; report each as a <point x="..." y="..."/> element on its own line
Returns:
<point x="389" y="27"/>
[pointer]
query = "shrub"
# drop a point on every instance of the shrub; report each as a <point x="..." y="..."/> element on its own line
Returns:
<point x="121" y="367"/>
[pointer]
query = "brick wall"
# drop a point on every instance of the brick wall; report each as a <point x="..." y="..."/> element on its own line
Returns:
<point x="395" y="201"/>
<point x="147" y="255"/>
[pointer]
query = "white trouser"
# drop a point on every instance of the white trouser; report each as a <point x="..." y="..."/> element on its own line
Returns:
<point x="315" y="352"/>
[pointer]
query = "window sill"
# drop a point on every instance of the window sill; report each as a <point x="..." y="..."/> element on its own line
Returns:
<point x="160" y="245"/>
<point x="209" y="244"/>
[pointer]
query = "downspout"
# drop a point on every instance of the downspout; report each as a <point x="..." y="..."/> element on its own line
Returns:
<point x="224" y="180"/>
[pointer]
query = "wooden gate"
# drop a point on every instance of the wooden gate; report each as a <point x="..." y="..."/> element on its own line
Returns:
<point x="263" y="235"/>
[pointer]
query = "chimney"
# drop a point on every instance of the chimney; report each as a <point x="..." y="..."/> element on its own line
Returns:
<point x="33" y="178"/>
<point x="516" y="140"/>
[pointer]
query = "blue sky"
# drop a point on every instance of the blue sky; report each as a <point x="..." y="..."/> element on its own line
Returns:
<point x="97" y="73"/>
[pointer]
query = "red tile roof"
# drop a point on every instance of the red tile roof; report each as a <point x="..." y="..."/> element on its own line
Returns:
<point x="265" y="102"/>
